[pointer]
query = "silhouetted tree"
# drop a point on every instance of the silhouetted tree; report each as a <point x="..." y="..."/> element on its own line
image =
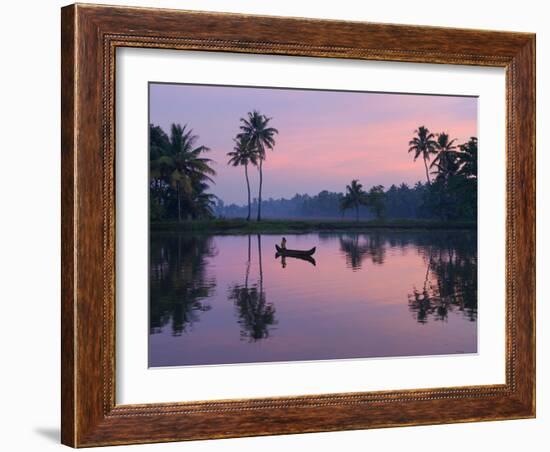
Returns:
<point x="178" y="169"/>
<point x="376" y="200"/>
<point x="354" y="198"/>
<point x="257" y="133"/>
<point x="446" y="161"/>
<point x="423" y="145"/>
<point x="243" y="154"/>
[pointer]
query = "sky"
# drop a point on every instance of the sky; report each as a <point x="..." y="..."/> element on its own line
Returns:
<point x="326" y="138"/>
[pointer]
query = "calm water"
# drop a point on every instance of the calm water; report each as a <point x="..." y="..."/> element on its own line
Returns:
<point x="218" y="299"/>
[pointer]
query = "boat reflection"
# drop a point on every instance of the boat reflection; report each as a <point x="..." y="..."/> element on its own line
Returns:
<point x="302" y="258"/>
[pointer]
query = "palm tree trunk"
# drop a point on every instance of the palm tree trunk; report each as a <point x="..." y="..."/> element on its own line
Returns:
<point x="179" y="202"/>
<point x="357" y="213"/>
<point x="427" y="174"/>
<point x="260" y="193"/>
<point x="248" y="189"/>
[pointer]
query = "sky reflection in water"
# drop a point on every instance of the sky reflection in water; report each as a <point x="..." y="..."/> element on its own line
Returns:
<point x="219" y="299"/>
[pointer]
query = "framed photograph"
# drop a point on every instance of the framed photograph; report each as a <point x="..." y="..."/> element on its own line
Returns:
<point x="281" y="225"/>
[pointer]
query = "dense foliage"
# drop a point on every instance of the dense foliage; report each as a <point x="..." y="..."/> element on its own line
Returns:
<point x="179" y="175"/>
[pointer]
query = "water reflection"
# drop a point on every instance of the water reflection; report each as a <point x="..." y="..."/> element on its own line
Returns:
<point x="356" y="303"/>
<point x="451" y="279"/>
<point x="256" y="316"/>
<point x="284" y="257"/>
<point x="357" y="247"/>
<point x="179" y="283"/>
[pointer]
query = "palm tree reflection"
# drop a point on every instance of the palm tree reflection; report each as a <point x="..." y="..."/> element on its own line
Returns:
<point x="451" y="279"/>
<point x="357" y="247"/>
<point x="179" y="282"/>
<point x="256" y="315"/>
<point x="450" y="282"/>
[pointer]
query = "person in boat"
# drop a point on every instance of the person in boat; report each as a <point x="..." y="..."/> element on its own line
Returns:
<point x="283" y="243"/>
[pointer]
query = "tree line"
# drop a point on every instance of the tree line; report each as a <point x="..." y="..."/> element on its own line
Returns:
<point x="181" y="176"/>
<point x="328" y="205"/>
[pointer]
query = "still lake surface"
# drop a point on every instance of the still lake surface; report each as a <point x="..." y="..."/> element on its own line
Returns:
<point x="220" y="299"/>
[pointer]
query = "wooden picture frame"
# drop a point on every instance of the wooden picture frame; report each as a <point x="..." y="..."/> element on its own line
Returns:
<point x="90" y="36"/>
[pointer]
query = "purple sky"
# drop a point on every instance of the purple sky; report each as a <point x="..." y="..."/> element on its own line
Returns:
<point x="326" y="138"/>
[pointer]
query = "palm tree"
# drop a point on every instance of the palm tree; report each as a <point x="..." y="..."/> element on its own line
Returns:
<point x="190" y="172"/>
<point x="446" y="159"/>
<point x="201" y="203"/>
<point x="423" y="145"/>
<point x="376" y="198"/>
<point x="257" y="133"/>
<point x="355" y="196"/>
<point x="242" y="155"/>
<point x="468" y="158"/>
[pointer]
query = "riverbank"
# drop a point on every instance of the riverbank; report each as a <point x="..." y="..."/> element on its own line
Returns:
<point x="238" y="226"/>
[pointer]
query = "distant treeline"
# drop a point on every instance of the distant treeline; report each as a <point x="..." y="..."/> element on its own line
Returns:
<point x="399" y="202"/>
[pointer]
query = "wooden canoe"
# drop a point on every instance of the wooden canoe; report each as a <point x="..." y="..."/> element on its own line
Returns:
<point x="287" y="252"/>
